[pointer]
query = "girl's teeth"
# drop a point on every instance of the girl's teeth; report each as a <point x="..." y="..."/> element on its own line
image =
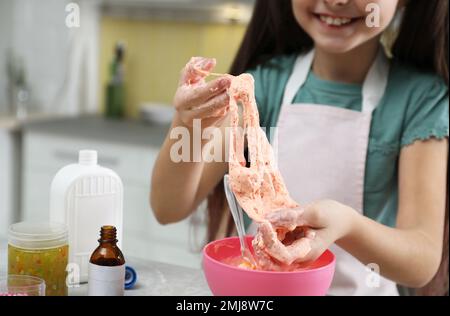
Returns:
<point x="334" y="21"/>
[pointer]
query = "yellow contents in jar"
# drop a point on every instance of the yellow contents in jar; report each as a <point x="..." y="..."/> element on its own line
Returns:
<point x="48" y="264"/>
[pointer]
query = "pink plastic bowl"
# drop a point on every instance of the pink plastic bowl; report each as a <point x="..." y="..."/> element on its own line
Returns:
<point x="227" y="280"/>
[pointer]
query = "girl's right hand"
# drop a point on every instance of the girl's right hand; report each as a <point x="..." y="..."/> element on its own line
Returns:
<point x="197" y="99"/>
<point x="284" y="236"/>
<point x="305" y="232"/>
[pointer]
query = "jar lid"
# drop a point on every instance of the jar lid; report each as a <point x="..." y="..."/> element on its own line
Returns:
<point x="130" y="277"/>
<point x="37" y="234"/>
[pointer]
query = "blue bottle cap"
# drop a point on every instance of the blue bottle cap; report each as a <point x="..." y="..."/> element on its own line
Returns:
<point x="130" y="277"/>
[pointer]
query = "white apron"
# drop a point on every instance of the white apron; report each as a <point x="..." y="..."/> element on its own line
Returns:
<point x="322" y="152"/>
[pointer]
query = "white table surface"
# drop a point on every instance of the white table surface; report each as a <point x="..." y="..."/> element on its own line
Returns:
<point x="154" y="278"/>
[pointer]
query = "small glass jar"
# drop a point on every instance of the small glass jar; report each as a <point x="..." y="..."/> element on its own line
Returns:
<point x="40" y="250"/>
<point x="22" y="285"/>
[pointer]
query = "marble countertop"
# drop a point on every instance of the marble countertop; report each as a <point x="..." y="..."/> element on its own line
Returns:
<point x="154" y="278"/>
<point x="123" y="131"/>
<point x="13" y="123"/>
<point x="157" y="278"/>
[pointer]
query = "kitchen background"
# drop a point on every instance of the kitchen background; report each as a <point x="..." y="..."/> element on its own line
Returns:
<point x="54" y="86"/>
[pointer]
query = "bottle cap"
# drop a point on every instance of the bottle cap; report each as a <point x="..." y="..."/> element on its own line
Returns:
<point x="130" y="277"/>
<point x="87" y="157"/>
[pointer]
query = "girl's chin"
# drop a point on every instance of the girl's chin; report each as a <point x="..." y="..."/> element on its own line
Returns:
<point x="335" y="46"/>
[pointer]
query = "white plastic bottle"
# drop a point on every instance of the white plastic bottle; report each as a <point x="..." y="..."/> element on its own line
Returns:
<point x="85" y="196"/>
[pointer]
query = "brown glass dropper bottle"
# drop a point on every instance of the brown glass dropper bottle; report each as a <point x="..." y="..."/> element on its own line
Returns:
<point x="107" y="266"/>
<point x="107" y="253"/>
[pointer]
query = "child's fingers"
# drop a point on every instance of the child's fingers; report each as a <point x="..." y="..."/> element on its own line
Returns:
<point x="317" y="244"/>
<point x="272" y="245"/>
<point x="196" y="69"/>
<point x="215" y="107"/>
<point x="312" y="216"/>
<point x="310" y="233"/>
<point x="299" y="249"/>
<point x="188" y="97"/>
<point x="203" y="93"/>
<point x="286" y="218"/>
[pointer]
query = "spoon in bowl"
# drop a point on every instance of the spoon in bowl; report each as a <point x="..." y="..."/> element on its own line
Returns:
<point x="236" y="212"/>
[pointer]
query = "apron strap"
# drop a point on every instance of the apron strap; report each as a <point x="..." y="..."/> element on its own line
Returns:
<point x="373" y="88"/>
<point x="298" y="77"/>
<point x="376" y="82"/>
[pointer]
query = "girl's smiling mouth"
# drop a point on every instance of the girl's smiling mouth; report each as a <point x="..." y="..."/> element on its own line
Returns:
<point x="335" y="21"/>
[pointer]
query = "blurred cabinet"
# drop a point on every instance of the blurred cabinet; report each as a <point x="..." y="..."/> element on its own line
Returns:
<point x="9" y="181"/>
<point x="44" y="154"/>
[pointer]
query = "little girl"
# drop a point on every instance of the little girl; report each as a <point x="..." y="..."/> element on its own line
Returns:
<point x="362" y="138"/>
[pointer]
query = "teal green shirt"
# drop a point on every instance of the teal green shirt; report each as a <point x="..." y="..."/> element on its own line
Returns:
<point x="415" y="106"/>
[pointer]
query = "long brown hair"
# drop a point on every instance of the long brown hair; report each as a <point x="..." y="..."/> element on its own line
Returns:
<point x="273" y="30"/>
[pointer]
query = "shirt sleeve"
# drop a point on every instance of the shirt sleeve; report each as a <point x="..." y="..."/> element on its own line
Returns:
<point x="427" y="114"/>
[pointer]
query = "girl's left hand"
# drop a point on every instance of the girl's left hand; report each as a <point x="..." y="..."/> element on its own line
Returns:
<point x="327" y="221"/>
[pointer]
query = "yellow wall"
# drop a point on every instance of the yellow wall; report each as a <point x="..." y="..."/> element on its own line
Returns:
<point x="156" y="51"/>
